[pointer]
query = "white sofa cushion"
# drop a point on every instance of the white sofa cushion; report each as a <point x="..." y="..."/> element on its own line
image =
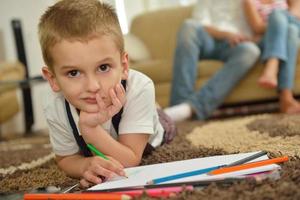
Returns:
<point x="135" y="48"/>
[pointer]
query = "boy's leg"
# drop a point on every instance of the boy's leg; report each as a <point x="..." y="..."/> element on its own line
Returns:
<point x="238" y="60"/>
<point x="169" y="126"/>
<point x="170" y="131"/>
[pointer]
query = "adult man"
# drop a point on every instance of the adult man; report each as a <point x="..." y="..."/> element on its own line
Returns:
<point x="219" y="31"/>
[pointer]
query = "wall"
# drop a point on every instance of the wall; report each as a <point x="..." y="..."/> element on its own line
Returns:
<point x="29" y="12"/>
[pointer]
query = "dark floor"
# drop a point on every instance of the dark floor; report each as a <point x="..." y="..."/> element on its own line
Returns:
<point x="287" y="187"/>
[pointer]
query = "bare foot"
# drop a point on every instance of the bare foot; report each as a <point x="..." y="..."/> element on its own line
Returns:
<point x="269" y="77"/>
<point x="267" y="81"/>
<point x="290" y="107"/>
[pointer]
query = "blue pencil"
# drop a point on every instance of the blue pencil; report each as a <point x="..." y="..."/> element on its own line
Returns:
<point x="183" y="175"/>
<point x="206" y="170"/>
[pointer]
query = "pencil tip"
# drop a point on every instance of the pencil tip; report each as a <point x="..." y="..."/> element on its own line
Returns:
<point x="124" y="175"/>
<point x="150" y="183"/>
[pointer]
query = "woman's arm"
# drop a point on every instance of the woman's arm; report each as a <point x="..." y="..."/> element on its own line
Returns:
<point x="255" y="21"/>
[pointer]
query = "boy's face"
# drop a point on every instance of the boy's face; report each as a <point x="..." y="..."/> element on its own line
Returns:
<point x="82" y="69"/>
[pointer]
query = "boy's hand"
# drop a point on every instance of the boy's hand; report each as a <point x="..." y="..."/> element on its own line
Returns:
<point x="117" y="96"/>
<point x="97" y="167"/>
<point x="105" y="112"/>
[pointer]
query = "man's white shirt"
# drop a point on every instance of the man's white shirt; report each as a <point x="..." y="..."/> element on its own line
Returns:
<point x="226" y="15"/>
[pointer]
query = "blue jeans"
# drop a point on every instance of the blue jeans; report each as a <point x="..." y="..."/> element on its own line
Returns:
<point x="194" y="44"/>
<point x="281" y="41"/>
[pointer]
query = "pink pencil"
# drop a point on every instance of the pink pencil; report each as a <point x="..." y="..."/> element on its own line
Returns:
<point x="157" y="192"/>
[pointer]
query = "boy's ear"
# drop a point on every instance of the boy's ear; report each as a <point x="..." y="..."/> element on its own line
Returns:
<point x="125" y="66"/>
<point x="49" y="75"/>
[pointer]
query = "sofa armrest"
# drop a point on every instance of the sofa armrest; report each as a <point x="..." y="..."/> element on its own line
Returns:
<point x="10" y="72"/>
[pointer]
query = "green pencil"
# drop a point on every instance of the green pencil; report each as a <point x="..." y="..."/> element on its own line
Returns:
<point x="96" y="151"/>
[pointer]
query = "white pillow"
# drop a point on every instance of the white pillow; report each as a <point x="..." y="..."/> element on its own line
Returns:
<point x="135" y="48"/>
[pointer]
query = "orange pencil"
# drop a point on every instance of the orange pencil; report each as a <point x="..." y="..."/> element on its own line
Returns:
<point x="76" y="196"/>
<point x="249" y="165"/>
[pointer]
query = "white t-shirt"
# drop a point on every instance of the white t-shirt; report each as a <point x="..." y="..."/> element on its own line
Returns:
<point x="139" y="115"/>
<point x="226" y="15"/>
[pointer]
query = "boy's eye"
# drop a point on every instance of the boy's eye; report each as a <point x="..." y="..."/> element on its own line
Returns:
<point x="104" y="68"/>
<point x="73" y="73"/>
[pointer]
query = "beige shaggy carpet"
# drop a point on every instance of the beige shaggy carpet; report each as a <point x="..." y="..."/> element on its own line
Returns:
<point x="27" y="163"/>
<point x="278" y="134"/>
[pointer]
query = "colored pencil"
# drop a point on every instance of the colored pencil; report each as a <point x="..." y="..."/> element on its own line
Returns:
<point x="69" y="189"/>
<point x="247" y="159"/>
<point x="157" y="192"/>
<point x="182" y="175"/>
<point x="203" y="171"/>
<point x="77" y="196"/>
<point x="198" y="183"/>
<point x="96" y="151"/>
<point x="248" y="165"/>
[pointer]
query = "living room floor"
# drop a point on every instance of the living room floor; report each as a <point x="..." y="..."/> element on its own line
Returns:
<point x="278" y="134"/>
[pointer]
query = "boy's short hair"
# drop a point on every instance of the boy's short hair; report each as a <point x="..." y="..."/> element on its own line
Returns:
<point x="77" y="20"/>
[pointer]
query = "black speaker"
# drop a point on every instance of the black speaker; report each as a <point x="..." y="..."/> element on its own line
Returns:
<point x="26" y="91"/>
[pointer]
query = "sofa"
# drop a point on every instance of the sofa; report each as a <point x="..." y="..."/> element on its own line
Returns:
<point x="157" y="30"/>
<point x="9" y="104"/>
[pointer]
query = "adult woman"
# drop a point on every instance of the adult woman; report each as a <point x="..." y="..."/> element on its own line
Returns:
<point x="277" y="30"/>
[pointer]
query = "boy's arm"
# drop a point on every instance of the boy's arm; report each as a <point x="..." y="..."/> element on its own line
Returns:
<point x="129" y="147"/>
<point x="128" y="150"/>
<point x="255" y="21"/>
<point x="89" y="168"/>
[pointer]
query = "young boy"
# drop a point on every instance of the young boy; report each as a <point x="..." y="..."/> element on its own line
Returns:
<point x="94" y="94"/>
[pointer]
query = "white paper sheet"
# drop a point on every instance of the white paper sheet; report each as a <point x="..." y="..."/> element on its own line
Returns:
<point x="139" y="176"/>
